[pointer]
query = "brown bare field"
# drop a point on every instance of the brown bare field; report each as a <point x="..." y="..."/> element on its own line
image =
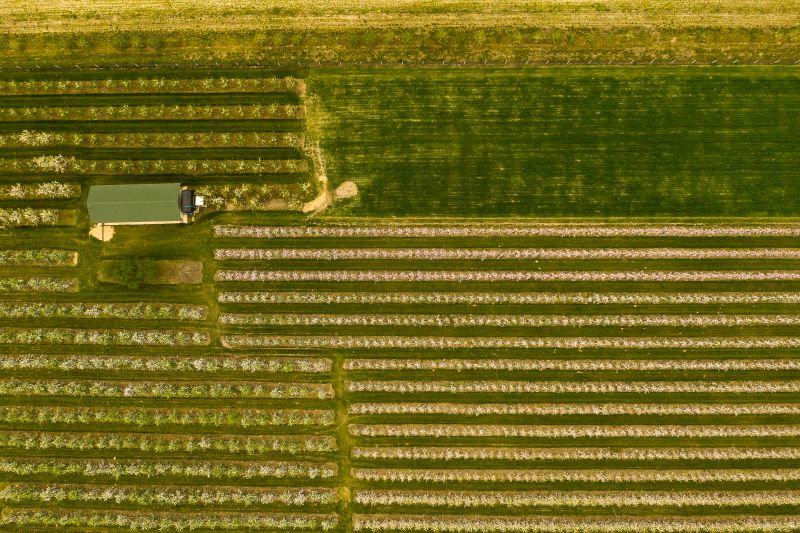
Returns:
<point x="179" y="271"/>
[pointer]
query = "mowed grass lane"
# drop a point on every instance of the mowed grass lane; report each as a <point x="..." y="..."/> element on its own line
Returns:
<point x="688" y="421"/>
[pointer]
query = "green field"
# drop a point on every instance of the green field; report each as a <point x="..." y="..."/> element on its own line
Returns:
<point x="468" y="345"/>
<point x="579" y="142"/>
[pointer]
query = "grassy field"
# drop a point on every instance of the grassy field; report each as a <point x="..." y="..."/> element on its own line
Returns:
<point x="362" y="371"/>
<point x="351" y="31"/>
<point x="584" y="141"/>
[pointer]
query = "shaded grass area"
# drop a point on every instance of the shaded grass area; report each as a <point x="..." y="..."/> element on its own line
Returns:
<point x="554" y="142"/>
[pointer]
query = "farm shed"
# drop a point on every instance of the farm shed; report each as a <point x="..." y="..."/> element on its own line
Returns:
<point x="152" y="203"/>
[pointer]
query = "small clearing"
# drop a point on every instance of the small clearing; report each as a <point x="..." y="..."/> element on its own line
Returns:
<point x="102" y="232"/>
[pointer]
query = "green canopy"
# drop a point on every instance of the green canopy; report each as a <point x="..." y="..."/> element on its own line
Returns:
<point x="134" y="204"/>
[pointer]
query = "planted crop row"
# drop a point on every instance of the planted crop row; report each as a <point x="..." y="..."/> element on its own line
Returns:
<point x="210" y="470"/>
<point x="172" y="139"/>
<point x="416" y="276"/>
<point x="494" y="254"/>
<point x="508" y="298"/>
<point x="574" y="409"/>
<point x="137" y="311"/>
<point x="27" y="493"/>
<point x="46" y="190"/>
<point x="590" y="475"/>
<point x="165" y="363"/>
<point x="154" y="85"/>
<point x="38" y="284"/>
<point x="576" y="387"/>
<point x="154" y="112"/>
<point x="61" y="164"/>
<point x="38" y="257"/>
<point x="462" y="499"/>
<point x="255" y="196"/>
<point x="103" y="337"/>
<point x="169" y="521"/>
<point x="519" y="230"/>
<point x="579" y="524"/>
<point x="27" y="216"/>
<point x="575" y="365"/>
<point x="503" y="453"/>
<point x="582" y="431"/>
<point x="164" y="416"/>
<point x="161" y="443"/>
<point x="501" y="321"/>
<point x="570" y="343"/>
<point x="153" y="389"/>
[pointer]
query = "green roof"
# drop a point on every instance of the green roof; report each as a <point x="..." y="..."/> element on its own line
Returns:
<point x="136" y="203"/>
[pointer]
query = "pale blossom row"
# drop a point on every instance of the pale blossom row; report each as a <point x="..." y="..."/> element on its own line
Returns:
<point x="124" y="311"/>
<point x="60" y="164"/>
<point x="153" y="85"/>
<point x="583" y="475"/>
<point x="27" y="216"/>
<point x="573" y="409"/>
<point x="497" y="254"/>
<point x="153" y="112"/>
<point x="573" y="365"/>
<point x="152" y="139"/>
<point x="506" y="275"/>
<point x="50" y="190"/>
<point x="508" y="298"/>
<point x="151" y="443"/>
<point x="139" y="468"/>
<point x="147" y="337"/>
<point x="165" y="363"/>
<point x="577" y="524"/>
<point x="575" y="387"/>
<point x="575" y="431"/>
<point x="503" y="453"/>
<point x="22" y="493"/>
<point x="570" y="343"/>
<point x="38" y="284"/>
<point x="38" y="257"/>
<point x="501" y="320"/>
<point x="518" y="230"/>
<point x="465" y="499"/>
<point x="61" y="519"/>
<point x="44" y="415"/>
<point x="162" y="389"/>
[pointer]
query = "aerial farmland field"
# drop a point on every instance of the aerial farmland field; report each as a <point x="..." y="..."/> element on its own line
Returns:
<point x="463" y="297"/>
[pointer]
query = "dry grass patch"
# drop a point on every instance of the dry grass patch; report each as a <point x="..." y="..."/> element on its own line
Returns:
<point x="179" y="271"/>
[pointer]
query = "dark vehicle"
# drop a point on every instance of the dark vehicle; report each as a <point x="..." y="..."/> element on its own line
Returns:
<point x="186" y="202"/>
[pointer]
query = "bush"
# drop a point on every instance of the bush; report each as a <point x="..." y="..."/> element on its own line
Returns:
<point x="132" y="272"/>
